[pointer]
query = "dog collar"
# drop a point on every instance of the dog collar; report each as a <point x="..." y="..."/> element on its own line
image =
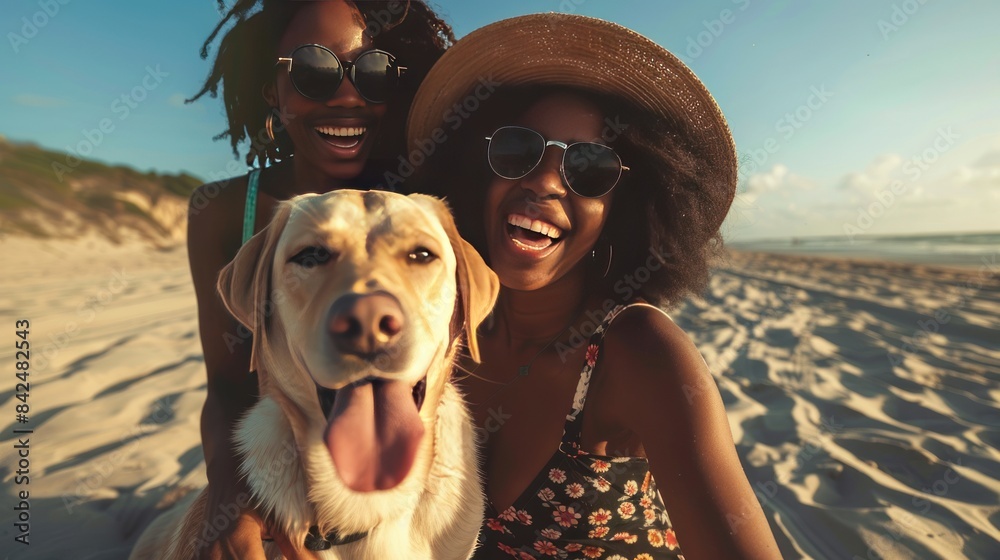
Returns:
<point x="315" y="541"/>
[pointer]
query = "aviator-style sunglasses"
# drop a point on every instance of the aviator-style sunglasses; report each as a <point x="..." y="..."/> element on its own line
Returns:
<point x="316" y="73"/>
<point x="589" y="169"/>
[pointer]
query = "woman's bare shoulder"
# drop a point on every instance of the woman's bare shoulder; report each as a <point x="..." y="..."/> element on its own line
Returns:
<point x="651" y="357"/>
<point x="215" y="219"/>
<point x="214" y="230"/>
<point x="645" y="334"/>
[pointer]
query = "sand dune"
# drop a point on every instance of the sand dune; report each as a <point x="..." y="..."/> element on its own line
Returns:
<point x="864" y="398"/>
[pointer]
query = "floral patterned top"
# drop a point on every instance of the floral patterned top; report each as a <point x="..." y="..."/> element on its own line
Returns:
<point x="582" y="505"/>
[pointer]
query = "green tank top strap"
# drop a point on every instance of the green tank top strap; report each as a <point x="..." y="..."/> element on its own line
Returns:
<point x="250" y="210"/>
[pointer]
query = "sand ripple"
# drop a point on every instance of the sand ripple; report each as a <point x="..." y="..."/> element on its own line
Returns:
<point x="864" y="399"/>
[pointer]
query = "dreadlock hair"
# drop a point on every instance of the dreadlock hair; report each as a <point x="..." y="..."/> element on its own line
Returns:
<point x="244" y="64"/>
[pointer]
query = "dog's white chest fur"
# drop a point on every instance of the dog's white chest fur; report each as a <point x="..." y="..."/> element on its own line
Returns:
<point x="438" y="525"/>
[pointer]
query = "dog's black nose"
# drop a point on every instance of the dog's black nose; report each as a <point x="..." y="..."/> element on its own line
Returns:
<point x="365" y="323"/>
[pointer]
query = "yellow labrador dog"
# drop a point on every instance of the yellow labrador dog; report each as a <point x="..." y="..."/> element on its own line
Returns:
<point x="360" y="446"/>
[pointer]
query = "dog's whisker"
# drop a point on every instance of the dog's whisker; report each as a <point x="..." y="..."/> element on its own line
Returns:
<point x="470" y="373"/>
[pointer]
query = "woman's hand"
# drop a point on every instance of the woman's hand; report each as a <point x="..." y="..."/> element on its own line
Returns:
<point x="240" y="537"/>
<point x="236" y="529"/>
<point x="232" y="529"/>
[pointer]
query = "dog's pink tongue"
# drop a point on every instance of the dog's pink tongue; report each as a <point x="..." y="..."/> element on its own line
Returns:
<point x="373" y="434"/>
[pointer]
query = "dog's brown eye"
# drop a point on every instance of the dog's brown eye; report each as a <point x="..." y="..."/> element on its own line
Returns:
<point x="313" y="256"/>
<point x="421" y="255"/>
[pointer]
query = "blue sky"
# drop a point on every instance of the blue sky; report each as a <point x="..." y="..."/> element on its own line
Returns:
<point x="854" y="117"/>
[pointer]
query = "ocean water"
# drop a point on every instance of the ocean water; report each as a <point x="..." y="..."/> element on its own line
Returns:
<point x="947" y="249"/>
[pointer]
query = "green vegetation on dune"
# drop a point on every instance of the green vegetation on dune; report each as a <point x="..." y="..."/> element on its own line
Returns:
<point x="39" y="185"/>
<point x="12" y="200"/>
<point x="182" y="185"/>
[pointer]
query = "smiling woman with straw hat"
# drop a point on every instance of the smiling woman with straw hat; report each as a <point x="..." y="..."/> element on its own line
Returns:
<point x="593" y="170"/>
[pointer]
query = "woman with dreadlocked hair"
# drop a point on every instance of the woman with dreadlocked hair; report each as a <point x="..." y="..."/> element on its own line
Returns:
<point x="245" y="66"/>
<point x="321" y="91"/>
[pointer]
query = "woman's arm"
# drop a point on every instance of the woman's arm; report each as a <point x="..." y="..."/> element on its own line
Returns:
<point x="231" y="390"/>
<point x="213" y="241"/>
<point x="674" y="406"/>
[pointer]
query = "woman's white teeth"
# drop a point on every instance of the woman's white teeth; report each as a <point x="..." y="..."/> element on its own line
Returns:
<point x="536" y="226"/>
<point x="341" y="130"/>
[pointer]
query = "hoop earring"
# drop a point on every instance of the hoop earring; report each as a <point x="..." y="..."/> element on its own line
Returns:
<point x="269" y="126"/>
<point x="611" y="255"/>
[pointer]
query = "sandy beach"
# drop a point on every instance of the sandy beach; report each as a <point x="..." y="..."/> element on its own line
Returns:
<point x="864" y="397"/>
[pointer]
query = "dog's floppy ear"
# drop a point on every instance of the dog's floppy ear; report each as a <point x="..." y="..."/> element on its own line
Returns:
<point x="245" y="283"/>
<point x="478" y="286"/>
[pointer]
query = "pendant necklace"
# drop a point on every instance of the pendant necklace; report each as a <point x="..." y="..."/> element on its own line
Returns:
<point x="524" y="369"/>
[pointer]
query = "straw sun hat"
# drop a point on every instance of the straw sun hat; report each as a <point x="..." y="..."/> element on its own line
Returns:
<point x="586" y="53"/>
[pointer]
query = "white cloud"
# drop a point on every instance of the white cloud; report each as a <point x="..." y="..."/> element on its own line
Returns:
<point x="984" y="173"/>
<point x="877" y="175"/>
<point x="778" y="179"/>
<point x="888" y="195"/>
<point x="989" y="160"/>
<point x="32" y="100"/>
<point x="767" y="202"/>
<point x="176" y="100"/>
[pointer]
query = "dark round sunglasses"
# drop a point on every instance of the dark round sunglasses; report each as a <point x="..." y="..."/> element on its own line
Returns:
<point x="316" y="73"/>
<point x="589" y="169"/>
